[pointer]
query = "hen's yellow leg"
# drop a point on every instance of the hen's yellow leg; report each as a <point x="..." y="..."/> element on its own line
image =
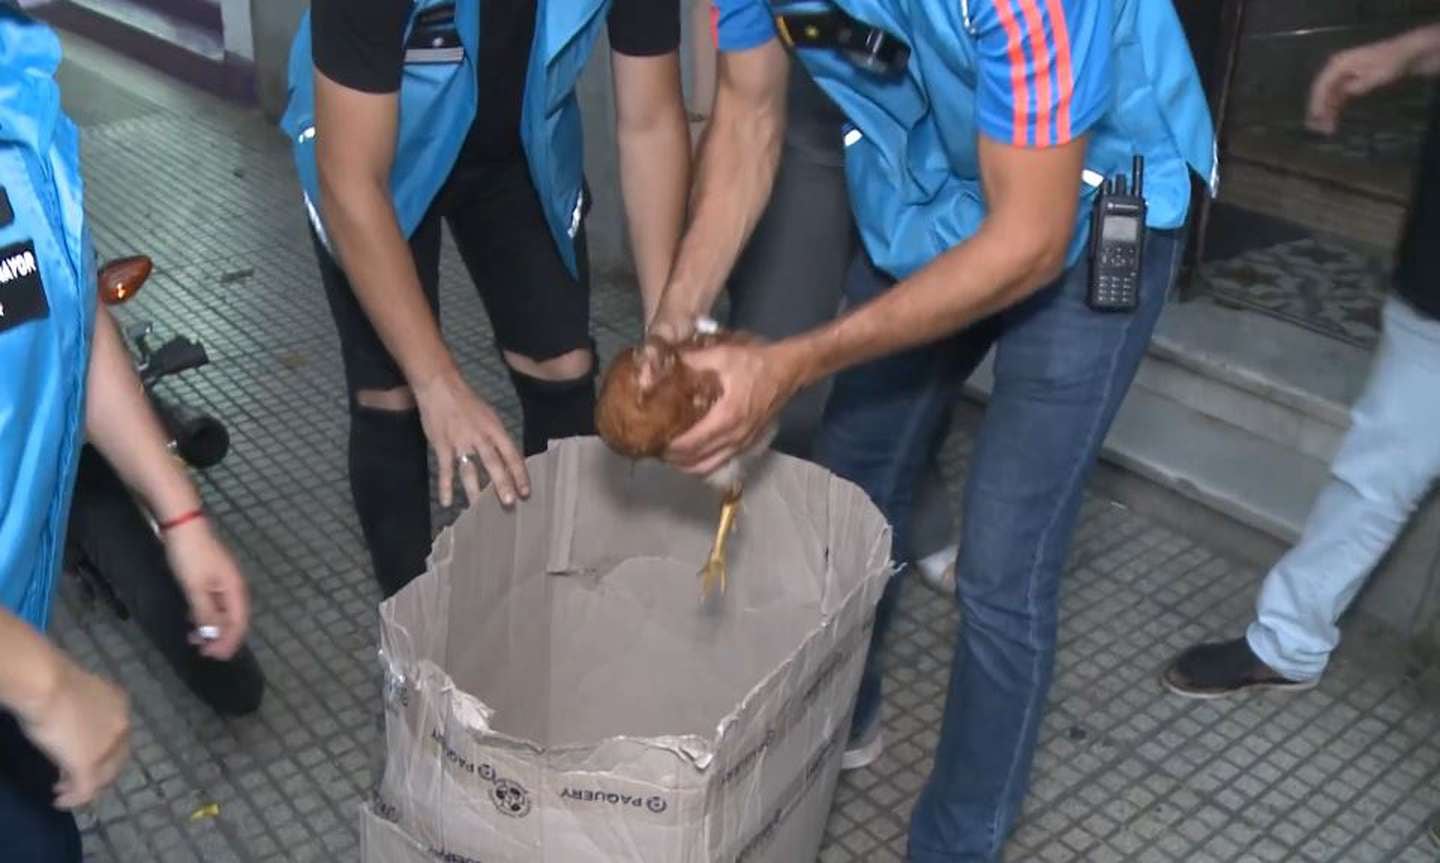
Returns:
<point x="713" y="574"/>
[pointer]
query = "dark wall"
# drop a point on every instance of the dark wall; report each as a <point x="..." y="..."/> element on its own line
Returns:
<point x="274" y="23"/>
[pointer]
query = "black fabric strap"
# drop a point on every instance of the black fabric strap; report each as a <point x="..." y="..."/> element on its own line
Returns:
<point x="868" y="47"/>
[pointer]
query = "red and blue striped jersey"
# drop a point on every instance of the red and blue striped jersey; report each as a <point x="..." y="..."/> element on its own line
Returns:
<point x="1027" y="73"/>
<point x="1044" y="68"/>
<point x="1044" y="65"/>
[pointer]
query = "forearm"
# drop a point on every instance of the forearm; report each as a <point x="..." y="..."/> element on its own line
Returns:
<point x="654" y="179"/>
<point x="361" y="224"/>
<point x="972" y="281"/>
<point x="32" y="670"/>
<point x="735" y="172"/>
<point x="122" y="425"/>
<point x="1422" y="47"/>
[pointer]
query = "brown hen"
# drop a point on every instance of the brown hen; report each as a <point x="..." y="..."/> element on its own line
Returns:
<point x="648" y="398"/>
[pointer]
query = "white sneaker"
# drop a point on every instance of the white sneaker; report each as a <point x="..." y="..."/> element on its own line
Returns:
<point x="865" y="751"/>
<point x="937" y="570"/>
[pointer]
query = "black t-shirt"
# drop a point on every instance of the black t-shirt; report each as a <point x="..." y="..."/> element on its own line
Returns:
<point x="1417" y="272"/>
<point x="360" y="44"/>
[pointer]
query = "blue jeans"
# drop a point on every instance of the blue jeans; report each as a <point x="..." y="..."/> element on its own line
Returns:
<point x="1061" y="372"/>
<point x="1388" y="462"/>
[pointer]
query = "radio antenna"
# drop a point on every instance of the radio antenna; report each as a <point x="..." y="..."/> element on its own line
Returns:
<point x="1139" y="171"/>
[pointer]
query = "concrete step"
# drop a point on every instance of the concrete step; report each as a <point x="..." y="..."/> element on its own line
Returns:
<point x="1241" y="475"/>
<point x="1223" y="390"/>
<point x="182" y="38"/>
<point x="1282" y="383"/>
<point x="202" y="13"/>
<point x="1203" y="457"/>
<point x="1227" y="436"/>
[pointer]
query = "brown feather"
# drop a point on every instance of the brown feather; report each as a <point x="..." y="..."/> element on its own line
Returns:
<point x="649" y="397"/>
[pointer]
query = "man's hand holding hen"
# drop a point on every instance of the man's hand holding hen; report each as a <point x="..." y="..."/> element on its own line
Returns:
<point x="756" y="380"/>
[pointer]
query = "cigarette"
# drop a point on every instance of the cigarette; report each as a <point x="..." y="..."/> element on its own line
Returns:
<point x="208" y="633"/>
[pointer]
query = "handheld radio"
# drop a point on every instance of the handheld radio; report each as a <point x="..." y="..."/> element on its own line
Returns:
<point x="1117" y="243"/>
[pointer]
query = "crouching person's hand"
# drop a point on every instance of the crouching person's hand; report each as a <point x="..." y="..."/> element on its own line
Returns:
<point x="81" y="722"/>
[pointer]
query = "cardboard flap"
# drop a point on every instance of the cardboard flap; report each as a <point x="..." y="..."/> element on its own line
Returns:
<point x="413" y="623"/>
<point x="606" y="509"/>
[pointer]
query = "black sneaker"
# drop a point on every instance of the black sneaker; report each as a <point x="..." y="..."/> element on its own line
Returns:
<point x="1224" y="668"/>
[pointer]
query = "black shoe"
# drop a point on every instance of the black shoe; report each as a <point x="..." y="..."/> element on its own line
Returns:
<point x="1224" y="668"/>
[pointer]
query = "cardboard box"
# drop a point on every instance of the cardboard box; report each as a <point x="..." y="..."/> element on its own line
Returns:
<point x="557" y="692"/>
<point x="383" y="839"/>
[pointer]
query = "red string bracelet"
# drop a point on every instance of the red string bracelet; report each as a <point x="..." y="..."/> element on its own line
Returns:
<point x="182" y="518"/>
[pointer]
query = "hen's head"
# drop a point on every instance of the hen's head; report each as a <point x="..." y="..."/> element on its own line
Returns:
<point x="649" y="397"/>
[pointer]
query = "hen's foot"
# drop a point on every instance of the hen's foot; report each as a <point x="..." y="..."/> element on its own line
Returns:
<point x="712" y="575"/>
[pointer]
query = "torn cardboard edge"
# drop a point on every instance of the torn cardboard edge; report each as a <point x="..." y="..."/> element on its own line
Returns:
<point x="383" y="838"/>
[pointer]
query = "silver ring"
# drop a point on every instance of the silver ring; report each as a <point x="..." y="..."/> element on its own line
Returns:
<point x="465" y="458"/>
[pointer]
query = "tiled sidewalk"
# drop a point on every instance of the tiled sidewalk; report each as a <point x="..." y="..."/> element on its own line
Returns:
<point x="1348" y="772"/>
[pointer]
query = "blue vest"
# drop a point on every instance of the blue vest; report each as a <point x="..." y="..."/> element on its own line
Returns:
<point x="42" y="393"/>
<point x="438" y="101"/>
<point x="914" y="172"/>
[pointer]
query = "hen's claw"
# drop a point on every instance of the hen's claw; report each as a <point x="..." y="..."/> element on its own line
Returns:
<point x="712" y="575"/>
